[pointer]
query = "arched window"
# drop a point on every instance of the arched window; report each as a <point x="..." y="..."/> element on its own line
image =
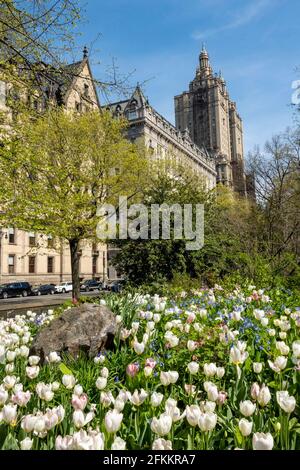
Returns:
<point x="132" y="111"/>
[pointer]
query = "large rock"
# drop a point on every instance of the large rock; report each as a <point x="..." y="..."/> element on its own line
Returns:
<point x="89" y="328"/>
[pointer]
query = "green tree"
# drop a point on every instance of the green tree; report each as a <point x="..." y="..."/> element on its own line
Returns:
<point x="56" y="170"/>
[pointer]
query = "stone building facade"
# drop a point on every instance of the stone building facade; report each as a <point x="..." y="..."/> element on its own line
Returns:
<point x="162" y="140"/>
<point x="34" y="257"/>
<point x="213" y="122"/>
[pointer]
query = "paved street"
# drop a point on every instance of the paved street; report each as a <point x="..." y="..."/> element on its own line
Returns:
<point x="20" y="304"/>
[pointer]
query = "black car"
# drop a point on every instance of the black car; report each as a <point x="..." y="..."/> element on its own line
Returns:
<point x="91" y="284"/>
<point x="44" y="289"/>
<point x="13" y="289"/>
<point x="117" y="286"/>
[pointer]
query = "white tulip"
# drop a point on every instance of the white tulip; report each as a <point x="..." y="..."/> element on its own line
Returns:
<point x="257" y="367"/>
<point x="264" y="396"/>
<point x="40" y="425"/>
<point x="104" y="372"/>
<point x="101" y="358"/>
<point x="245" y="427"/>
<point x="106" y="399"/>
<point x="193" y="414"/>
<point x="282" y="348"/>
<point x="220" y="372"/>
<point x="210" y="369"/>
<point x="173" y="376"/>
<point x="32" y="372"/>
<point x="258" y="314"/>
<point x="118" y="444"/>
<point x="191" y="345"/>
<point x="161" y="425"/>
<point x="9" y="368"/>
<point x="9" y="381"/>
<point x="207" y="421"/>
<point x="148" y="371"/>
<point x="3" y="396"/>
<point x="172" y="339"/>
<point x="282" y="335"/>
<point x="78" y="390"/>
<point x="9" y="413"/>
<point x="193" y="367"/>
<point x="10" y="356"/>
<point x="119" y="404"/>
<point x="137" y="398"/>
<point x="285" y="401"/>
<point x="138" y="347"/>
<point x="156" y="399"/>
<point x="161" y="444"/>
<point x="80" y="419"/>
<point x="34" y="360"/>
<point x="247" y="408"/>
<point x="211" y="390"/>
<point x="24" y="351"/>
<point x="68" y="381"/>
<point x="101" y="383"/>
<point x="53" y="357"/>
<point x="26" y="444"/>
<point x="279" y="364"/>
<point x="209" y="406"/>
<point x="113" y="421"/>
<point x="262" y="441"/>
<point x="55" y="386"/>
<point x="296" y="349"/>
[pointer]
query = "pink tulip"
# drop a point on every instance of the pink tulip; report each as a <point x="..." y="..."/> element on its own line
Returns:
<point x="132" y="370"/>
<point x="21" y="398"/>
<point x="79" y="402"/>
<point x="150" y="362"/>
<point x="222" y="397"/>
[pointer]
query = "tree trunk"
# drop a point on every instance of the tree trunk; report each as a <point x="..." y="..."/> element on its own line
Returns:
<point x="74" y="247"/>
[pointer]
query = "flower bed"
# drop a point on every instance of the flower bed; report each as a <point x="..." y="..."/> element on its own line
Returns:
<point x="207" y="370"/>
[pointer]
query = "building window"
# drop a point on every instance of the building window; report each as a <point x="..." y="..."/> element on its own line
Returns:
<point x="86" y="90"/>
<point x="132" y="114"/>
<point x="11" y="264"/>
<point x="11" y="236"/>
<point x="31" y="264"/>
<point x="50" y="242"/>
<point x="50" y="264"/>
<point x="104" y="260"/>
<point x="95" y="265"/>
<point x="32" y="239"/>
<point x="78" y="107"/>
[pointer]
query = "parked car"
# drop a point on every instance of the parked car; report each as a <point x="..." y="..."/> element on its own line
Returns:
<point x="91" y="284"/>
<point x="44" y="289"/>
<point x="64" y="287"/>
<point x="117" y="286"/>
<point x="14" y="289"/>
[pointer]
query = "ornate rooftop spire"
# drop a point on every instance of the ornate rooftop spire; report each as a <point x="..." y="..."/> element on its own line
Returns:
<point x="85" y="52"/>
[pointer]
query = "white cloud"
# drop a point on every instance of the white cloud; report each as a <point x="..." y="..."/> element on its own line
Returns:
<point x="241" y="18"/>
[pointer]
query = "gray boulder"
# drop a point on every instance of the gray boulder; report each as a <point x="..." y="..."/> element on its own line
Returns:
<point x="89" y="328"/>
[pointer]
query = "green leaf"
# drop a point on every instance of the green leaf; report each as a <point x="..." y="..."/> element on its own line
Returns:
<point x="64" y="369"/>
<point x="10" y="443"/>
<point x="292" y="423"/>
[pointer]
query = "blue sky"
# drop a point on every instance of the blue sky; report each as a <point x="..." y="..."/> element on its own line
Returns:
<point x="254" y="42"/>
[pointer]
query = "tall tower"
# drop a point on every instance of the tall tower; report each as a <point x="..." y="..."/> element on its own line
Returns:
<point x="213" y="122"/>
